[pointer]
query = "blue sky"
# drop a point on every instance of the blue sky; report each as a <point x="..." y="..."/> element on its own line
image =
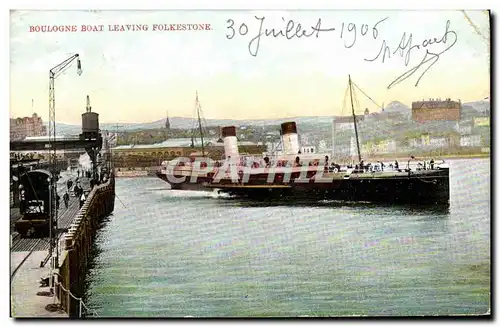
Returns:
<point x="139" y="76"/>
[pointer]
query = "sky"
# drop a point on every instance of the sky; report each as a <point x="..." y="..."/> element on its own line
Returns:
<point x="139" y="76"/>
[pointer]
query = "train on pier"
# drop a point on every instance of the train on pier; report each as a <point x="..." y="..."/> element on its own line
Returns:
<point x="35" y="192"/>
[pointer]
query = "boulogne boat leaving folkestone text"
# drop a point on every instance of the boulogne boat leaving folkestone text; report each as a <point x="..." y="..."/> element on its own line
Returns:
<point x="307" y="176"/>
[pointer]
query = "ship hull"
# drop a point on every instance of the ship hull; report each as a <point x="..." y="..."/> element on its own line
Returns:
<point x="418" y="187"/>
<point x="199" y="185"/>
<point x="428" y="187"/>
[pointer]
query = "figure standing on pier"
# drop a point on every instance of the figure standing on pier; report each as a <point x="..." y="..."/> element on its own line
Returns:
<point x="82" y="199"/>
<point x="66" y="199"/>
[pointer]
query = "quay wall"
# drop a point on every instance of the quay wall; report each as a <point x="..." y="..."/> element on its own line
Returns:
<point x="77" y="245"/>
<point x="137" y="171"/>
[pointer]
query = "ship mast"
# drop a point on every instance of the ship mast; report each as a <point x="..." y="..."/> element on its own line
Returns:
<point x="354" y="119"/>
<point x="199" y="125"/>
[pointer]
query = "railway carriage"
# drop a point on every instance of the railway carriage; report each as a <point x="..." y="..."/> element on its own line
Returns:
<point x="35" y="201"/>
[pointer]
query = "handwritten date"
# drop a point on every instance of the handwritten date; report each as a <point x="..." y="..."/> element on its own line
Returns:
<point x="293" y="29"/>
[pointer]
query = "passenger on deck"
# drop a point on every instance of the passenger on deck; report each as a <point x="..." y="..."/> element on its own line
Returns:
<point x="266" y="160"/>
<point x="325" y="166"/>
<point x="396" y="165"/>
<point x="432" y="163"/>
<point x="297" y="162"/>
<point x="66" y="199"/>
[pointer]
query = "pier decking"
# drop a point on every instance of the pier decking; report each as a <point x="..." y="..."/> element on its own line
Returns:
<point x="28" y="298"/>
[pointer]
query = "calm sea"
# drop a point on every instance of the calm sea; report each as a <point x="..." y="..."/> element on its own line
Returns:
<point x="173" y="254"/>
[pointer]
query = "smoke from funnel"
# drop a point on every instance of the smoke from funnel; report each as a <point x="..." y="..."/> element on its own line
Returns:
<point x="85" y="161"/>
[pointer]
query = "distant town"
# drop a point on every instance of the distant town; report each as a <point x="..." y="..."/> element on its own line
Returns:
<point x="432" y="127"/>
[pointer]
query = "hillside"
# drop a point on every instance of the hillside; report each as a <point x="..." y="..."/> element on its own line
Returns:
<point x="308" y="123"/>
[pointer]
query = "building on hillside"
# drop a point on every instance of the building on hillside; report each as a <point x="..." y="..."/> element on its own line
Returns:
<point x="21" y="128"/>
<point x="463" y="128"/>
<point x="470" y="140"/>
<point x="431" y="142"/>
<point x="483" y="121"/>
<point x="346" y="123"/>
<point x="436" y="109"/>
<point x="387" y="146"/>
<point x="344" y="137"/>
<point x="322" y="146"/>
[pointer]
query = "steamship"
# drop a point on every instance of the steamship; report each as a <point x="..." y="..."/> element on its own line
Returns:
<point x="294" y="175"/>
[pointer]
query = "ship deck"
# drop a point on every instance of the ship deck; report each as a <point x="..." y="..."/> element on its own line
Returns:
<point x="330" y="176"/>
<point x="248" y="186"/>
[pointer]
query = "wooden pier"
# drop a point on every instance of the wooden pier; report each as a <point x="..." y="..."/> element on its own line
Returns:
<point x="75" y="233"/>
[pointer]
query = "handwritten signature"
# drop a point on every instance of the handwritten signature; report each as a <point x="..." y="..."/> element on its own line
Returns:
<point x="405" y="48"/>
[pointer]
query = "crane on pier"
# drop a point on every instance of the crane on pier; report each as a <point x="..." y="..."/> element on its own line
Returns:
<point x="53" y="74"/>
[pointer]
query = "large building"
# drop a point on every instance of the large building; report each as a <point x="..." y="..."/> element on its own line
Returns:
<point x="20" y="128"/>
<point x="436" y="109"/>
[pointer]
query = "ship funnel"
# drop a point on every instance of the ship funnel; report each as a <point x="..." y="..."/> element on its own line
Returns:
<point x="230" y="142"/>
<point x="290" y="138"/>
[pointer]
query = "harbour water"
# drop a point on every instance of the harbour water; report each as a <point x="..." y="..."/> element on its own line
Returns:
<point x="173" y="254"/>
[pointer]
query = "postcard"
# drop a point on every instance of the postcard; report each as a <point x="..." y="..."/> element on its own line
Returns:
<point x="250" y="163"/>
